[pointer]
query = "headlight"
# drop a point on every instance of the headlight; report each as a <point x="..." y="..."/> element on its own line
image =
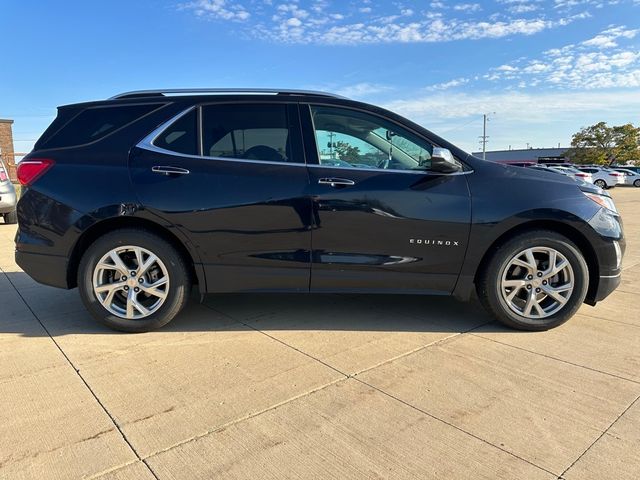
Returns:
<point x="602" y="200"/>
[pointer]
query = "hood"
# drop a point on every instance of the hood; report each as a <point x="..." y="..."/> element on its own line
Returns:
<point x="539" y="174"/>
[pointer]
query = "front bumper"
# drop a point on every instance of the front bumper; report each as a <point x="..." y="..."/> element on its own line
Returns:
<point x="46" y="269"/>
<point x="606" y="285"/>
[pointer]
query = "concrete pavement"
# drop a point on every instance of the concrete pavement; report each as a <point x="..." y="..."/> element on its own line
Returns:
<point x="328" y="386"/>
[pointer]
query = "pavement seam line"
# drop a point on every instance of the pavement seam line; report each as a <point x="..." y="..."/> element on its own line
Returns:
<point x="438" y="342"/>
<point x="424" y="412"/>
<point x="84" y="381"/>
<point x="619" y="322"/>
<point x="111" y="470"/>
<point x="351" y="375"/>
<point x="556" y="359"/>
<point x="599" y="437"/>
<point x="249" y="416"/>
<point x="276" y="339"/>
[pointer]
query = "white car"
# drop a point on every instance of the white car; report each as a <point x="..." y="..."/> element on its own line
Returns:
<point x="574" y="173"/>
<point x="630" y="177"/>
<point x="603" y="177"/>
<point x="7" y="196"/>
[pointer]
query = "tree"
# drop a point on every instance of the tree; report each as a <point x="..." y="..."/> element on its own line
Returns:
<point x="604" y="145"/>
<point x="347" y="152"/>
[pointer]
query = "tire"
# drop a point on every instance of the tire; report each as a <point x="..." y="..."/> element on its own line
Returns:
<point x="494" y="295"/>
<point x="637" y="183"/>
<point x="162" y="306"/>
<point x="600" y="183"/>
<point x="11" y="217"/>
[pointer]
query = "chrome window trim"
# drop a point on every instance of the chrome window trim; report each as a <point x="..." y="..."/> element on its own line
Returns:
<point x="390" y="170"/>
<point x="147" y="144"/>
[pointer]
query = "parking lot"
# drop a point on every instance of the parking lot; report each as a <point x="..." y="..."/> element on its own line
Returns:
<point x="328" y="386"/>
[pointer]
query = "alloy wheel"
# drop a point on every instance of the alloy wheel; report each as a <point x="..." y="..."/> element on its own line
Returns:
<point x="537" y="282"/>
<point x="131" y="282"/>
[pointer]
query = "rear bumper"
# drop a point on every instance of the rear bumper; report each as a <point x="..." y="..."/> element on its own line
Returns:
<point x="46" y="269"/>
<point x="7" y="202"/>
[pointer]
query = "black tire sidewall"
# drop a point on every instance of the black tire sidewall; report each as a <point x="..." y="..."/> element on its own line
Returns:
<point x="636" y="183"/>
<point x="600" y="183"/>
<point x="11" y="218"/>
<point x="490" y="292"/>
<point x="179" y="281"/>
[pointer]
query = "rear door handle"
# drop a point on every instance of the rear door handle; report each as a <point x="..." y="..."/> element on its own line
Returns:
<point x="336" y="182"/>
<point x="169" y="170"/>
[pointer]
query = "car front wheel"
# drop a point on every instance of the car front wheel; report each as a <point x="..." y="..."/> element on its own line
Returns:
<point x="132" y="280"/>
<point x="637" y="183"/>
<point x="535" y="281"/>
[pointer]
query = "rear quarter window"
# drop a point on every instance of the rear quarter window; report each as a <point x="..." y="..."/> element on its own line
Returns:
<point x="95" y="123"/>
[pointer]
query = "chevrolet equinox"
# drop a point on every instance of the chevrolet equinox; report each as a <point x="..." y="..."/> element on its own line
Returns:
<point x="136" y="198"/>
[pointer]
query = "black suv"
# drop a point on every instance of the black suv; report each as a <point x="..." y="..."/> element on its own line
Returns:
<point x="135" y="198"/>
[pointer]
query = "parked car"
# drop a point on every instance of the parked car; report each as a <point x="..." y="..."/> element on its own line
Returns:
<point x="580" y="178"/>
<point x="136" y="198"/>
<point x="558" y="164"/>
<point x="628" y="167"/>
<point x="630" y="177"/>
<point x="574" y="173"/>
<point x="7" y="196"/>
<point x="602" y="177"/>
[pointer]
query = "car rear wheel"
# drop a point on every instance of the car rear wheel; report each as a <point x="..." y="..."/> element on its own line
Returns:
<point x="11" y="217"/>
<point x="535" y="281"/>
<point x="600" y="183"/>
<point x="133" y="281"/>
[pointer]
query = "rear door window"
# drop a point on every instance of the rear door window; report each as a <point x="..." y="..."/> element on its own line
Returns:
<point x="95" y="123"/>
<point x="181" y="136"/>
<point x="262" y="132"/>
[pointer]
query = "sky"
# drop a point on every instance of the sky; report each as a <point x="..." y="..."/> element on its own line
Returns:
<point x="541" y="69"/>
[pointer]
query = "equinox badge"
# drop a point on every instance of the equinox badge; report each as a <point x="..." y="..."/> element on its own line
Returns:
<point x="438" y="243"/>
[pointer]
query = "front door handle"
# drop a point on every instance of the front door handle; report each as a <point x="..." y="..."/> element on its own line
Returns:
<point x="336" y="182"/>
<point x="169" y="170"/>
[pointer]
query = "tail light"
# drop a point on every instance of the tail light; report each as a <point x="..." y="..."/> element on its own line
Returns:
<point x="30" y="170"/>
<point x="582" y="175"/>
<point x="3" y="174"/>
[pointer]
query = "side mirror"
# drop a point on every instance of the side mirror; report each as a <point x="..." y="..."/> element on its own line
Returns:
<point x="442" y="161"/>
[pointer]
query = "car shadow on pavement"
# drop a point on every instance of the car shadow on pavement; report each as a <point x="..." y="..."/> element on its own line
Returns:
<point x="62" y="313"/>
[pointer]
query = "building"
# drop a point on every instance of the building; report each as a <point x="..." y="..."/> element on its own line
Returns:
<point x="6" y="147"/>
<point x="528" y="155"/>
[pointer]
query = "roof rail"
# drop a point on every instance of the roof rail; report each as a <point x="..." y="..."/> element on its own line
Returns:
<point x="213" y="91"/>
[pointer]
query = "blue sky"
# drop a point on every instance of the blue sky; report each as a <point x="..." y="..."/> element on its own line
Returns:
<point x="545" y="67"/>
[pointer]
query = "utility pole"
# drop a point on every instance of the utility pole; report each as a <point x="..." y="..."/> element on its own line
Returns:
<point x="484" y="138"/>
<point x="331" y="145"/>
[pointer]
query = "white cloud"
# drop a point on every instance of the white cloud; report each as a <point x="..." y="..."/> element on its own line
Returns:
<point x="607" y="39"/>
<point x="345" y="23"/>
<point x="456" y="82"/>
<point x="359" y="90"/>
<point x="467" y="7"/>
<point x="540" y="118"/>
<point x="218" y="9"/>
<point x="580" y="66"/>
<point x="433" y="30"/>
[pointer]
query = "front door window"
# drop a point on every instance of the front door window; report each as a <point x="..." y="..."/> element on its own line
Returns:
<point x="352" y="139"/>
